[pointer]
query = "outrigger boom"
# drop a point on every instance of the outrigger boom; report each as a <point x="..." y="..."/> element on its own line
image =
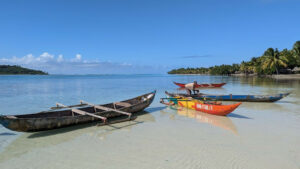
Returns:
<point x="82" y="112"/>
<point x="105" y="108"/>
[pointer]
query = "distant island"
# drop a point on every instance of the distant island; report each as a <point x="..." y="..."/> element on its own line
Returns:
<point x="18" y="70"/>
<point x="271" y="62"/>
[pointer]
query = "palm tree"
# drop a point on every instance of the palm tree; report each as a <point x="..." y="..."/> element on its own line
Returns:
<point x="296" y="52"/>
<point x="292" y="59"/>
<point x="247" y="67"/>
<point x="273" y="60"/>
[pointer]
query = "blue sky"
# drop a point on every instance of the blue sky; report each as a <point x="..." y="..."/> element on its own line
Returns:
<point x="142" y="36"/>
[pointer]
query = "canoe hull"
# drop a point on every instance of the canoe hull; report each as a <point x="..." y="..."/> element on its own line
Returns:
<point x="220" y="110"/>
<point x="211" y="85"/>
<point x="245" y="98"/>
<point x="240" y="98"/>
<point x="47" y="123"/>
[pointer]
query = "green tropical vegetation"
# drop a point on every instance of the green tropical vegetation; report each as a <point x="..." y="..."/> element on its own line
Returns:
<point x="272" y="61"/>
<point x="14" y="70"/>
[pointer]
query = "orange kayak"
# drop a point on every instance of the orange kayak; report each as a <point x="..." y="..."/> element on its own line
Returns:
<point x="206" y="107"/>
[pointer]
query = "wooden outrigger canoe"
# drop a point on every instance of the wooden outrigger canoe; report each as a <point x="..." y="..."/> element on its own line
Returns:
<point x="203" y="106"/>
<point x="211" y="85"/>
<point x="230" y="97"/>
<point x="63" y="116"/>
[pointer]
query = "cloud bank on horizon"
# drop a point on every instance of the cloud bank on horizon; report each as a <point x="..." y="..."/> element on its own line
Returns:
<point x="77" y="65"/>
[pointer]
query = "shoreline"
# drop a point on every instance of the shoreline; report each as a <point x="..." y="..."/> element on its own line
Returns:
<point x="275" y="76"/>
<point x="288" y="76"/>
<point x="279" y="76"/>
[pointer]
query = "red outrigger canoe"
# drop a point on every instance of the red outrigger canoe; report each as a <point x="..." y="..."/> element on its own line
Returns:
<point x="211" y="85"/>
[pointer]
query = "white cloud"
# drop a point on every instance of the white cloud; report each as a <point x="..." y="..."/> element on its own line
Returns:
<point x="76" y="65"/>
<point x="60" y="58"/>
<point x="77" y="58"/>
<point x="26" y="59"/>
<point x="44" y="57"/>
<point x="126" y="64"/>
<point x="29" y="59"/>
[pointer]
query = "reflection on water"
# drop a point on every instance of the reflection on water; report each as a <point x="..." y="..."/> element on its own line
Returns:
<point x="218" y="121"/>
<point x="30" y="141"/>
<point x="268" y="82"/>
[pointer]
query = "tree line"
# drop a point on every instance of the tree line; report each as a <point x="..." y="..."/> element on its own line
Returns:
<point x="272" y="61"/>
<point x="13" y="70"/>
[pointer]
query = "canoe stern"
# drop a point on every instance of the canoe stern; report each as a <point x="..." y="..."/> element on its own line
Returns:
<point x="3" y="121"/>
<point x="11" y="123"/>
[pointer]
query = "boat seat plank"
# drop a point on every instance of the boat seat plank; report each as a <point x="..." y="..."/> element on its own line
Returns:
<point x="12" y="117"/>
<point x="81" y="112"/>
<point x="86" y="113"/>
<point x="106" y="108"/>
<point x="122" y="104"/>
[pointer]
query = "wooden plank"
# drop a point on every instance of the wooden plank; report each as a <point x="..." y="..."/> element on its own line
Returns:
<point x="113" y="121"/>
<point x="122" y="104"/>
<point x="60" y="107"/>
<point x="106" y="108"/>
<point x="82" y="112"/>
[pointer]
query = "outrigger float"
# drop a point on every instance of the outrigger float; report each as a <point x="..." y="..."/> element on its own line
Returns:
<point x="63" y="116"/>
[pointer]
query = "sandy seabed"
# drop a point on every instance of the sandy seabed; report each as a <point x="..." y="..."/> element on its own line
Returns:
<point x="166" y="138"/>
<point x="254" y="136"/>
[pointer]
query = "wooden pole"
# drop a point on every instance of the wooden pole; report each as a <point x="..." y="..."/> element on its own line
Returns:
<point x="106" y="108"/>
<point x="81" y="112"/>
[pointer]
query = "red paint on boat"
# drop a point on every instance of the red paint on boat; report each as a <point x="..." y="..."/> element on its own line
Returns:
<point x="211" y="85"/>
<point x="220" y="110"/>
<point x="208" y="107"/>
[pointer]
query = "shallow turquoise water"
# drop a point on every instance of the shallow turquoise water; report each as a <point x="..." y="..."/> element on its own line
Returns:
<point x="268" y="128"/>
<point x="26" y="94"/>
